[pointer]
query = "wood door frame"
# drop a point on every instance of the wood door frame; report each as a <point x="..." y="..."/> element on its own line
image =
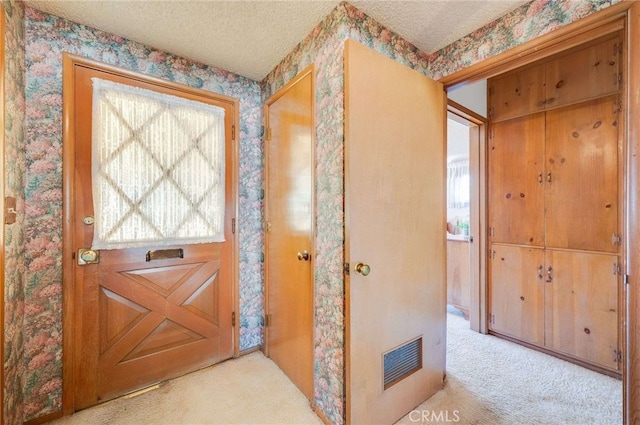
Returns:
<point x="478" y="289"/>
<point x="70" y="61"/>
<point x="309" y="70"/>
<point x="621" y="16"/>
<point x="2" y="204"/>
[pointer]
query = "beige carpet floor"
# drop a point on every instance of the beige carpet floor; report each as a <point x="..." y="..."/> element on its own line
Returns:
<point x="489" y="382"/>
<point x="495" y="382"/>
<point x="247" y="390"/>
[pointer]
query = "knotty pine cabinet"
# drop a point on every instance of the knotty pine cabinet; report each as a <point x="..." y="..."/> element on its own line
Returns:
<point x="554" y="165"/>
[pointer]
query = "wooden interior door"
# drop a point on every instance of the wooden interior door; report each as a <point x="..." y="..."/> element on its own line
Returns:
<point x="582" y="306"/>
<point x="137" y="322"/>
<point x="289" y="238"/>
<point x="516" y="191"/>
<point x="394" y="235"/>
<point x="582" y="168"/>
<point x="517" y="294"/>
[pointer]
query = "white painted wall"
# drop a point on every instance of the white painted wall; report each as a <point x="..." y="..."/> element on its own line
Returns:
<point x="471" y="96"/>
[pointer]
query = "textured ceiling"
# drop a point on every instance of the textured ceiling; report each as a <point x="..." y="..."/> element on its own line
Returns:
<point x="250" y="37"/>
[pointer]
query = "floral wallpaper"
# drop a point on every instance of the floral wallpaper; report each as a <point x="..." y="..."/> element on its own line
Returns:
<point x="33" y="281"/>
<point x="517" y="27"/>
<point x="324" y="47"/>
<point x="14" y="236"/>
<point x="47" y="37"/>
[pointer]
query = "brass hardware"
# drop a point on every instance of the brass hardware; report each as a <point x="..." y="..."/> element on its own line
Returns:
<point x="164" y="254"/>
<point x="303" y="255"/>
<point x="540" y="178"/>
<point x="10" y="212"/>
<point x="267" y="227"/>
<point x="88" y="220"/>
<point x="617" y="269"/>
<point x="548" y="177"/>
<point x="362" y="269"/>
<point x="549" y="276"/>
<point x="88" y="256"/>
<point x="617" y="356"/>
<point x="540" y="272"/>
<point x="616" y="239"/>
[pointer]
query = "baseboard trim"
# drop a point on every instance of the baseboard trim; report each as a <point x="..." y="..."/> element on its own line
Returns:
<point x="250" y="350"/>
<point x="45" y="418"/>
<point x="565" y="357"/>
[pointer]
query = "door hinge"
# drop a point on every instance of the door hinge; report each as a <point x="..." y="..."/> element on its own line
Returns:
<point x="346" y="269"/>
<point x="267" y="227"/>
<point x="491" y="232"/>
<point x="233" y="319"/>
<point x="617" y="356"/>
<point x="625" y="279"/>
<point x="10" y="212"/>
<point x="617" y="269"/>
<point x="268" y="134"/>
<point x="492" y="319"/>
<point x="267" y="320"/>
<point x="492" y="254"/>
<point x="233" y="225"/>
<point x="617" y="107"/>
<point x="616" y="239"/>
<point x="233" y="132"/>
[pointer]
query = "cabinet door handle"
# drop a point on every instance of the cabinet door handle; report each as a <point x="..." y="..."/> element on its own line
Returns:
<point x="549" y="275"/>
<point x="540" y="272"/>
<point x="540" y="178"/>
<point x="548" y="177"/>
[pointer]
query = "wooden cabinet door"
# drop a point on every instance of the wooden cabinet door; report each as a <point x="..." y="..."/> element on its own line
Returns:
<point x="516" y="195"/>
<point x="517" y="289"/>
<point x="582" y="165"/>
<point x="459" y="275"/>
<point x="582" y="306"/>
<point x="585" y="74"/>
<point x="516" y="94"/>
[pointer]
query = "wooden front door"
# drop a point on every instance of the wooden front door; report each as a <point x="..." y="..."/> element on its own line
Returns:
<point x="140" y="315"/>
<point x="395" y="239"/>
<point x="289" y="237"/>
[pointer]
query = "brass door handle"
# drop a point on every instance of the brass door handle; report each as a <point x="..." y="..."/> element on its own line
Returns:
<point x="363" y="269"/>
<point x="88" y="256"/>
<point x="303" y="255"/>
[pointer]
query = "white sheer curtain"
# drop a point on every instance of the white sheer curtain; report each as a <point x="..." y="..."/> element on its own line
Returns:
<point x="458" y="183"/>
<point x="158" y="168"/>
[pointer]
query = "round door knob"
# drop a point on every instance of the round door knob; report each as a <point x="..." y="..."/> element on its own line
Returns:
<point x="303" y="255"/>
<point x="89" y="256"/>
<point x="363" y="269"/>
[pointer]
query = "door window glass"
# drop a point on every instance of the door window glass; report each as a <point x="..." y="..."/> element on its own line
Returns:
<point x="157" y="168"/>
